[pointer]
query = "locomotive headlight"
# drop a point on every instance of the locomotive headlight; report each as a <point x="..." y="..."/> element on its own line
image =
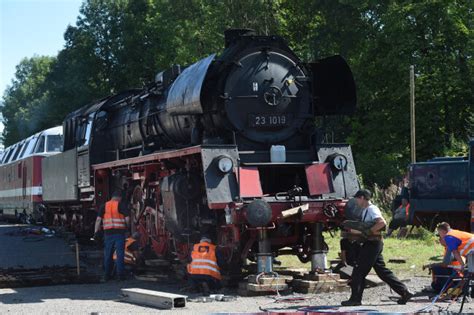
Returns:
<point x="225" y="164"/>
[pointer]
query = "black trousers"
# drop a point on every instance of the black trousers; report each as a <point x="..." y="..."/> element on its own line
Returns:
<point x="370" y="256"/>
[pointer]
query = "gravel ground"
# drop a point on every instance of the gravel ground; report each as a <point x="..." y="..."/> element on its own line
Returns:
<point x="104" y="298"/>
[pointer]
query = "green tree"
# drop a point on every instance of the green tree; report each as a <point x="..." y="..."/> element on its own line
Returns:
<point x="25" y="107"/>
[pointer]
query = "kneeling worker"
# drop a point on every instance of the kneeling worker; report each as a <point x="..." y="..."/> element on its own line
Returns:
<point x="131" y="250"/>
<point x="203" y="270"/>
<point x="370" y="254"/>
<point x="442" y="273"/>
<point x="459" y="243"/>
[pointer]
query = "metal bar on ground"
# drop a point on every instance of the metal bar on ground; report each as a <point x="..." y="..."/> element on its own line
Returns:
<point x="154" y="298"/>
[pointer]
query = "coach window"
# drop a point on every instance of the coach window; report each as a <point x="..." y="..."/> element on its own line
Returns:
<point x="31" y="146"/>
<point x="4" y="157"/>
<point x="17" y="150"/>
<point x="7" y="155"/>
<point x="40" y="145"/>
<point x="54" y="143"/>
<point x="25" y="146"/>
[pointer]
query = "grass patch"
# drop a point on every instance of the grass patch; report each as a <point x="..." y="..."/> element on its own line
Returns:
<point x="417" y="250"/>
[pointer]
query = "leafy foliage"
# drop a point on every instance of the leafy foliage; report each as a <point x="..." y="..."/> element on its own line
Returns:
<point x="121" y="44"/>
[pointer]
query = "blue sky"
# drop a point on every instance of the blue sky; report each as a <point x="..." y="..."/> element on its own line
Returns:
<point x="32" y="27"/>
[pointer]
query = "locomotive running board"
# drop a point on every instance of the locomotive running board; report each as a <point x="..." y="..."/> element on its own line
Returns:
<point x="156" y="156"/>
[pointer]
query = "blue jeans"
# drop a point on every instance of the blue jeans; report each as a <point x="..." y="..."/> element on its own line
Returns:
<point x="114" y="242"/>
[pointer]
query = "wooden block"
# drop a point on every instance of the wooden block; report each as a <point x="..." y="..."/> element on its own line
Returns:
<point x="267" y="279"/>
<point x="251" y="289"/>
<point x="266" y="287"/>
<point x="321" y="276"/>
<point x="157" y="299"/>
<point x="312" y="284"/>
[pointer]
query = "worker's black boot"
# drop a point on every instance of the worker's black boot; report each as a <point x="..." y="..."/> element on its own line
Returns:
<point x="351" y="303"/>
<point x="405" y="297"/>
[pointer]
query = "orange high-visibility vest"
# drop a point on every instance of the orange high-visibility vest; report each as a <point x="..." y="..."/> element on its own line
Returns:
<point x="204" y="261"/>
<point x="467" y="241"/>
<point x="113" y="219"/>
<point x="128" y="257"/>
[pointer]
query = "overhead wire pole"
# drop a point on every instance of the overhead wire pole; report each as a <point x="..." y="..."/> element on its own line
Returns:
<point x="412" y="113"/>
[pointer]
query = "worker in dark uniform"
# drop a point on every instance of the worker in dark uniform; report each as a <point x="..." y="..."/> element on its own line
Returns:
<point x="203" y="270"/>
<point x="370" y="254"/>
<point x="115" y="217"/>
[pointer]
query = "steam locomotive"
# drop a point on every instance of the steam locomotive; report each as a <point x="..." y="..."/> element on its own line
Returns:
<point x="227" y="146"/>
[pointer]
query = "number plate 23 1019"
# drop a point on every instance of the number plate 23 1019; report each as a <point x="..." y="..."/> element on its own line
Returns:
<point x="269" y="120"/>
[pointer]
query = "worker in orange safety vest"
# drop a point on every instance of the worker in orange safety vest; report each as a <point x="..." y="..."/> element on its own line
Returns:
<point x="441" y="273"/>
<point x="458" y="243"/>
<point x="203" y="270"/>
<point x="115" y="218"/>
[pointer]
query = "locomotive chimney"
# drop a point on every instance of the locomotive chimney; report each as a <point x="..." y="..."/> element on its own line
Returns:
<point x="234" y="34"/>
